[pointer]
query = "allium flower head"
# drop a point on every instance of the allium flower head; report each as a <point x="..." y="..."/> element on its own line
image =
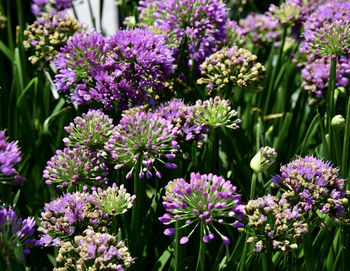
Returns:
<point x="313" y="184"/>
<point x="287" y="13"/>
<point x="215" y="113"/>
<point x="274" y="224"/>
<point x="91" y="130"/>
<point x="10" y="155"/>
<point x="231" y="67"/>
<point x="50" y="5"/>
<point x="94" y="251"/>
<point x="199" y="24"/>
<point x="14" y="232"/>
<point x="76" y="166"/>
<point x="263" y="159"/>
<point x="143" y="139"/>
<point x="235" y="33"/>
<point x="70" y="214"/>
<point x="261" y="29"/>
<point x="182" y="115"/>
<point x="327" y="30"/>
<point x="207" y="199"/>
<point x="316" y="74"/>
<point x="48" y="34"/>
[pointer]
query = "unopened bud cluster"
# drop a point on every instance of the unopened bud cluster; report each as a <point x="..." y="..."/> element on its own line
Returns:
<point x="263" y="159"/>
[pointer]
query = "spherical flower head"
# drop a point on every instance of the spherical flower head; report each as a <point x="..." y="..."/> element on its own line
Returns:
<point x="232" y="67"/>
<point x="273" y="224"/>
<point x="314" y="185"/>
<point x="206" y="199"/>
<point x="95" y="251"/>
<point x="143" y="59"/>
<point x="14" y="233"/>
<point x="287" y="13"/>
<point x="235" y="34"/>
<point x="76" y="166"/>
<point x="261" y="29"/>
<point x="327" y="30"/>
<point x="263" y="159"/>
<point x="10" y="155"/>
<point x="215" y="113"/>
<point x="114" y="200"/>
<point x="50" y="5"/>
<point x="147" y="10"/>
<point x="78" y="63"/>
<point x="68" y="216"/>
<point x="198" y="25"/>
<point x="48" y="34"/>
<point x="92" y="130"/>
<point x="316" y="75"/>
<point x="142" y="140"/>
<point x="181" y="115"/>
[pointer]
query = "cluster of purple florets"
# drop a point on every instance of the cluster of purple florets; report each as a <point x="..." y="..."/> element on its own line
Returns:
<point x="50" y="5"/>
<point x="121" y="70"/>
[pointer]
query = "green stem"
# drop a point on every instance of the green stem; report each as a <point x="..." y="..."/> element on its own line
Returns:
<point x="253" y="186"/>
<point x="211" y="153"/>
<point x="75" y="12"/>
<point x="201" y="253"/>
<point x="346" y="144"/>
<point x="337" y="145"/>
<point x="178" y="247"/>
<point x="244" y="254"/>
<point x="92" y="15"/>
<point x="331" y="105"/>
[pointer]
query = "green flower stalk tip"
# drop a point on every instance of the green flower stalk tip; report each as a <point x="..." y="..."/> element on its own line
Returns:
<point x="338" y="122"/>
<point x="263" y="159"/>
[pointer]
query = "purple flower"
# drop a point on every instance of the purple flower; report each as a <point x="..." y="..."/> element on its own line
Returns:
<point x="46" y="5"/>
<point x="76" y="166"/>
<point x="206" y="199"/>
<point x="235" y="34"/>
<point x="146" y="138"/>
<point x="95" y="250"/>
<point x="314" y="185"/>
<point x="15" y="230"/>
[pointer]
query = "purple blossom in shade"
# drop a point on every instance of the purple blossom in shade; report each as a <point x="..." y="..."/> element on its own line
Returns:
<point x="274" y="224"/>
<point x="76" y="166"/>
<point x="207" y="199"/>
<point x="215" y="113"/>
<point x="316" y="74"/>
<point x="92" y="130"/>
<point x="48" y="34"/>
<point x="231" y="67"/>
<point x="181" y="115"/>
<point x="70" y="214"/>
<point x="314" y="185"/>
<point x="142" y="140"/>
<point x="327" y="30"/>
<point x="143" y="61"/>
<point x="10" y="155"/>
<point x="14" y="233"/>
<point x="261" y="30"/>
<point x="95" y="251"/>
<point x="198" y="25"/>
<point x="235" y="34"/>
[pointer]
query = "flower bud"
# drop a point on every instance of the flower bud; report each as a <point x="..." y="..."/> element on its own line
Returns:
<point x="263" y="159"/>
<point x="338" y="122"/>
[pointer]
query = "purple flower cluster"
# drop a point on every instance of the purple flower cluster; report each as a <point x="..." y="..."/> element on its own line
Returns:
<point x="215" y="113"/>
<point x="10" y="155"/>
<point x="206" y="199"/>
<point x="91" y="130"/>
<point x="198" y="25"/>
<point x="141" y="140"/>
<point x="274" y="224"/>
<point x="231" y="67"/>
<point x="316" y="74"/>
<point x="14" y="232"/>
<point x="327" y="30"/>
<point x="121" y="69"/>
<point x="94" y="251"/>
<point x="70" y="214"/>
<point x="287" y="13"/>
<point x="76" y="166"/>
<point x="235" y="34"/>
<point x="313" y="185"/>
<point x="48" y="34"/>
<point x="46" y="5"/>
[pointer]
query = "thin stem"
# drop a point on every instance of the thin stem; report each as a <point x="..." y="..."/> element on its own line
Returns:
<point x="331" y="105"/>
<point x="346" y="144"/>
<point x="244" y="254"/>
<point x="253" y="186"/>
<point x="201" y="253"/>
<point x="178" y="247"/>
<point x="92" y="15"/>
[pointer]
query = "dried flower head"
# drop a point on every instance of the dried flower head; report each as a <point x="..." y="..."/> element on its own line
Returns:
<point x="76" y="166"/>
<point x="14" y="233"/>
<point x="93" y="251"/>
<point x="274" y="224"/>
<point x="206" y="199"/>
<point x="312" y="184"/>
<point x="90" y="131"/>
<point x="140" y="141"/>
<point x="215" y="113"/>
<point x="48" y="34"/>
<point x="263" y="159"/>
<point x="231" y="67"/>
